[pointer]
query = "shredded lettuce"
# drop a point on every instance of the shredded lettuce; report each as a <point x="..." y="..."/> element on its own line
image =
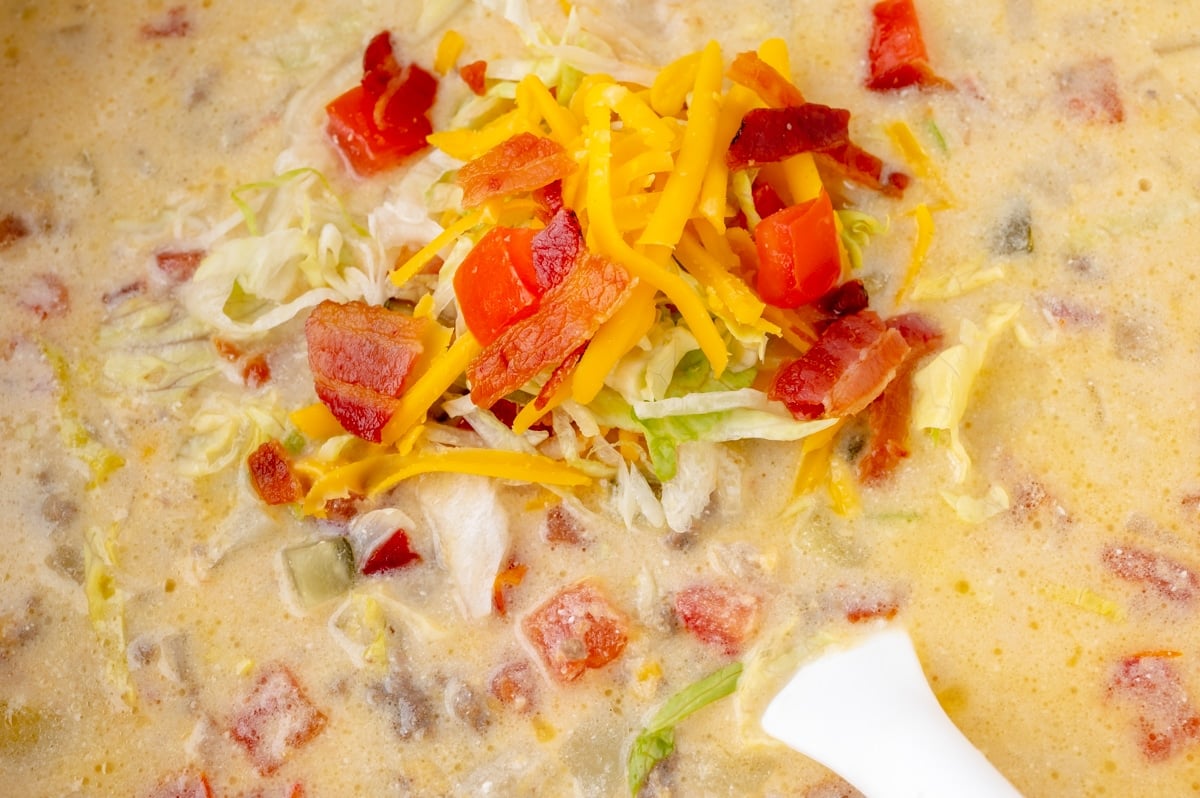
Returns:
<point x="977" y="509"/>
<point x="656" y="742"/>
<point x="942" y="388"/>
<point x="106" y="609"/>
<point x="100" y="459"/>
<point x="227" y="428"/>
<point x="856" y="231"/>
<point x="152" y="348"/>
<point x="960" y="279"/>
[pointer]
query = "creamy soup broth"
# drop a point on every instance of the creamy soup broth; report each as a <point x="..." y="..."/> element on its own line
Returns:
<point x="128" y="125"/>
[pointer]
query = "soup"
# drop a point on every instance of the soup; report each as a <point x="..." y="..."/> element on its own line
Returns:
<point x="230" y="570"/>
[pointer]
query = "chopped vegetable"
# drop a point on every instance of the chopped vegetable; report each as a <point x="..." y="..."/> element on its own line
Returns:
<point x="274" y="718"/>
<point x="496" y="284"/>
<point x="723" y="616"/>
<point x="321" y="570"/>
<point x="799" y="258"/>
<point x="656" y="742"/>
<point x="576" y="629"/>
<point x="897" y="54"/>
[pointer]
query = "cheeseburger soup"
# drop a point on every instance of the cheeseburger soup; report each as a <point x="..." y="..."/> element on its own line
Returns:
<point x="505" y="398"/>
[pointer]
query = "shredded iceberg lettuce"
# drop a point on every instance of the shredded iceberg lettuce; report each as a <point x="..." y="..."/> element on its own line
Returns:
<point x="106" y="609"/>
<point x="943" y="386"/>
<point x="227" y="428"/>
<point x="152" y="348"/>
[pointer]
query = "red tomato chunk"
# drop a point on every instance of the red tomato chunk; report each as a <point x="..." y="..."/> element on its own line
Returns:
<point x="496" y="283"/>
<point x="897" y="54"/>
<point x="799" y="258"/>
<point x="1152" y="687"/>
<point x="393" y="553"/>
<point x="720" y="615"/>
<point x="576" y="629"/>
<point x="275" y="718"/>
<point x="183" y="785"/>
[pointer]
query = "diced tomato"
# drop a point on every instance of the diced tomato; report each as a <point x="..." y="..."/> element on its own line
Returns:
<point x="1090" y="91"/>
<point x="12" y="229"/>
<point x="179" y="265"/>
<point x="720" y="615"/>
<point x="799" y="257"/>
<point x="768" y="135"/>
<point x="1167" y="577"/>
<point x="183" y="785"/>
<point x="555" y="248"/>
<point x="474" y="75"/>
<point x="1151" y="686"/>
<point x="850" y="364"/>
<point x="897" y="52"/>
<point x="749" y="70"/>
<point x="272" y="475"/>
<point x="576" y="629"/>
<point x="525" y="162"/>
<point x="497" y="284"/>
<point x="515" y="684"/>
<point x="853" y="163"/>
<point x="362" y="358"/>
<point x="367" y="147"/>
<point x="45" y="295"/>
<point x="274" y="718"/>
<point x="393" y="553"/>
<point x="567" y="317"/>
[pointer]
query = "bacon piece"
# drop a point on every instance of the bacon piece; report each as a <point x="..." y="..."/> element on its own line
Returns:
<point x="889" y="414"/>
<point x="256" y="371"/>
<point x="749" y="70"/>
<point x="362" y="357"/>
<point x="274" y="718"/>
<point x="773" y="134"/>
<point x="272" y="475"/>
<point x="720" y="615"/>
<point x="567" y="317"/>
<point x="1168" y="578"/>
<point x="1151" y="686"/>
<point x="179" y="264"/>
<point x="12" y="229"/>
<point x="557" y="378"/>
<point x="474" y="75"/>
<point x="173" y="25"/>
<point x="556" y="246"/>
<point x="45" y="296"/>
<point x="550" y="197"/>
<point x="853" y="163"/>
<point x="515" y="684"/>
<point x="394" y="553"/>
<point x="576" y="629"/>
<point x="845" y="299"/>
<point x="1090" y="92"/>
<point x="524" y="162"/>
<point x="846" y="369"/>
<point x="183" y="785"/>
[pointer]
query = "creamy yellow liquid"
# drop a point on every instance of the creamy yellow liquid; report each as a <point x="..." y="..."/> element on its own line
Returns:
<point x="107" y="132"/>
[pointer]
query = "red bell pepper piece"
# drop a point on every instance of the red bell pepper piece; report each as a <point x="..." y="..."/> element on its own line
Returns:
<point x="497" y="283"/>
<point x="799" y="258"/>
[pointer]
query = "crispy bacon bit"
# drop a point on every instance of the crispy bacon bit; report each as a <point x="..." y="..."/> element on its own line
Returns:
<point x="173" y="25"/>
<point x="555" y="248"/>
<point x="12" y="229"/>
<point x="557" y="378"/>
<point x="1090" y="92"/>
<point x="897" y="54"/>
<point x="394" y="553"/>
<point x="183" y="785"/>
<point x="342" y="509"/>
<point x="515" y="684"/>
<point x="256" y="372"/>
<point x="853" y="163"/>
<point x="362" y="357"/>
<point x="749" y="70"/>
<point x="1150" y="685"/>
<point x="275" y="717"/>
<point x="563" y="527"/>
<point x="45" y="296"/>
<point x="862" y="606"/>
<point x="550" y="198"/>
<point x="474" y="75"/>
<point x="576" y="629"/>
<point x="179" y="265"/>
<point x="773" y="134"/>
<point x="510" y="577"/>
<point x="272" y="475"/>
<point x="1168" y="578"/>
<point x="889" y="414"/>
<point x="720" y="615"/>
<point x="567" y="317"/>
<point x="522" y="163"/>
<point x="847" y="368"/>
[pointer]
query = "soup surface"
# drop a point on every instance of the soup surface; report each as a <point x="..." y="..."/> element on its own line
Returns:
<point x="210" y="587"/>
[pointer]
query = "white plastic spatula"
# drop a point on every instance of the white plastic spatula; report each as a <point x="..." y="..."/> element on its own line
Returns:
<point x="867" y="714"/>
